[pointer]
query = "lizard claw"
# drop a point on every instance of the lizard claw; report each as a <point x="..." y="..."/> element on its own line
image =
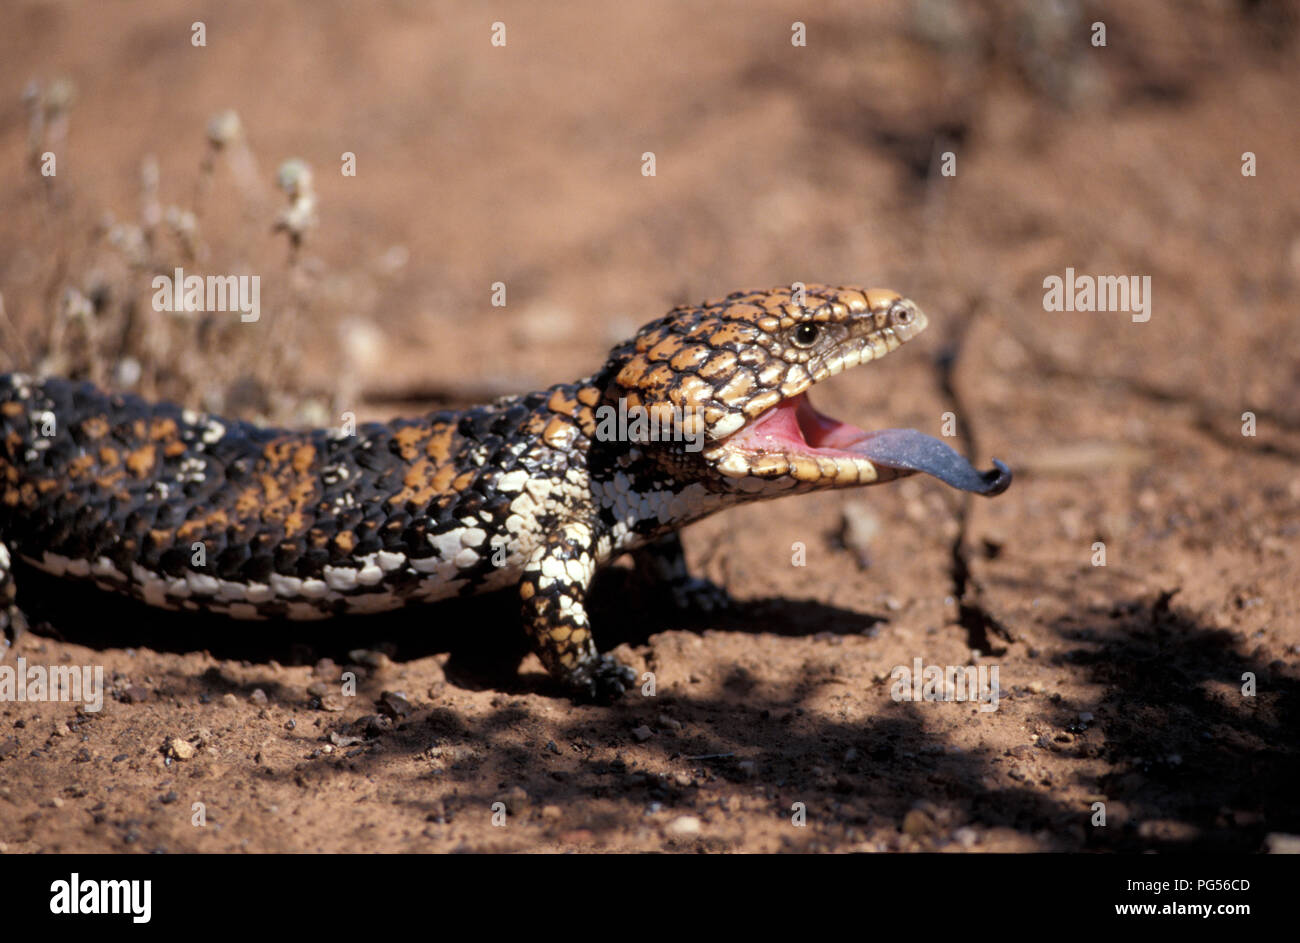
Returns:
<point x="602" y="680"/>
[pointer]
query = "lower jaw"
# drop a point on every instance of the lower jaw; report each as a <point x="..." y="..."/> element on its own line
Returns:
<point x="845" y="456"/>
<point x="796" y="469"/>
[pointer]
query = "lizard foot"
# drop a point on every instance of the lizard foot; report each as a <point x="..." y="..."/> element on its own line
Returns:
<point x="603" y="679"/>
<point x="12" y="626"/>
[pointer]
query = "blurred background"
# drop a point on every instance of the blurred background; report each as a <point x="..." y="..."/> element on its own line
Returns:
<point x="522" y="164"/>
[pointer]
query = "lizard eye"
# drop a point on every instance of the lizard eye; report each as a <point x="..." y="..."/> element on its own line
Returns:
<point x="805" y="334"/>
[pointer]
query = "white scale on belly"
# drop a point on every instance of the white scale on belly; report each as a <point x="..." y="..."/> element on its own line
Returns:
<point x="360" y="586"/>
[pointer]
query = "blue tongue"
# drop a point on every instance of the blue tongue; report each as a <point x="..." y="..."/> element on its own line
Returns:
<point x="909" y="449"/>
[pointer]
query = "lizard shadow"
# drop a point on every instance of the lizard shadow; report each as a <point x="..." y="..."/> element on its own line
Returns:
<point x="1180" y="760"/>
<point x="1180" y="757"/>
<point x="481" y="634"/>
<point x="630" y="610"/>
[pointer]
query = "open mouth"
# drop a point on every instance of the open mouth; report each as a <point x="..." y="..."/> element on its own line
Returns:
<point x="815" y="447"/>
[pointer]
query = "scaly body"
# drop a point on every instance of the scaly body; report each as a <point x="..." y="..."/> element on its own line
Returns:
<point x="187" y="511"/>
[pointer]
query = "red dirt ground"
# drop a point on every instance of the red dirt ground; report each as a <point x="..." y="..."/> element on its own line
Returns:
<point x="1122" y="683"/>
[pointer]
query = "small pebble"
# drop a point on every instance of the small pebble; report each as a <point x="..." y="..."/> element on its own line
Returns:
<point x="684" y="826"/>
<point x="917" y="823"/>
<point x="374" y="725"/>
<point x="859" y="526"/>
<point x="394" y="704"/>
<point x="369" y="659"/>
<point x="516" y="800"/>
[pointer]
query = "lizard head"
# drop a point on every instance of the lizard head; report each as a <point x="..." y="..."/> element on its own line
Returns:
<point x="733" y="374"/>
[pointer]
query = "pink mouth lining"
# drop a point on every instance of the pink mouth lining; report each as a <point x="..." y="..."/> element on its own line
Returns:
<point x="793" y="426"/>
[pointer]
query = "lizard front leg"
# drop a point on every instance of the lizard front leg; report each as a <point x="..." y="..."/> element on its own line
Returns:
<point x="12" y="622"/>
<point x="553" y="590"/>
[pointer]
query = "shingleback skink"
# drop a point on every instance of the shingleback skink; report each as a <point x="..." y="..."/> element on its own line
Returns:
<point x="703" y="409"/>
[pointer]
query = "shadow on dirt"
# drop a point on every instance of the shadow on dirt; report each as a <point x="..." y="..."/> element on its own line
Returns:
<point x="481" y="633"/>
<point x="1189" y="762"/>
